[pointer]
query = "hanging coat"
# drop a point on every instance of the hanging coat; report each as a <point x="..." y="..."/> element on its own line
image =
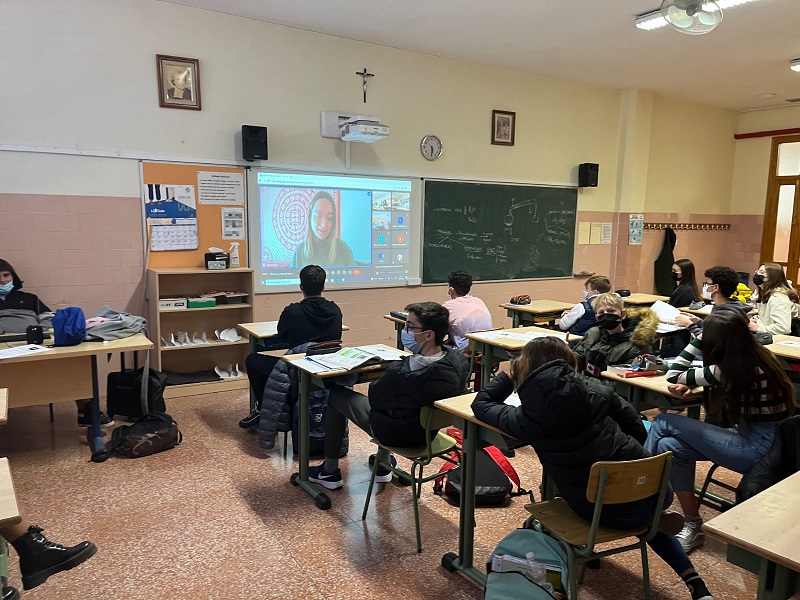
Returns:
<point x="662" y="267"/>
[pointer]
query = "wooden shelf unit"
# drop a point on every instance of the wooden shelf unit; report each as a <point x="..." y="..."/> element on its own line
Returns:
<point x="181" y="283"/>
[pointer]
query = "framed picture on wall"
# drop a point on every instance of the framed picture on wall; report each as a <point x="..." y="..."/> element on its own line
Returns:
<point x="178" y="82"/>
<point x="503" y="124"/>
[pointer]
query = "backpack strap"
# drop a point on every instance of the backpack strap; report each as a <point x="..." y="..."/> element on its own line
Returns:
<point x="438" y="484"/>
<point x="502" y="462"/>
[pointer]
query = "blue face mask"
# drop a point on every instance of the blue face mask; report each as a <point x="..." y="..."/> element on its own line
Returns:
<point x="585" y="295"/>
<point x="410" y="342"/>
<point x="6" y="288"/>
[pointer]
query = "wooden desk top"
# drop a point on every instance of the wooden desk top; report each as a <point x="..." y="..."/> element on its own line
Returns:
<point x="644" y="299"/>
<point x="128" y="344"/>
<point x="540" y="307"/>
<point x="699" y="313"/>
<point x="3" y="406"/>
<point x="511" y="339"/>
<point x="766" y="524"/>
<point x="394" y="319"/>
<point x="791" y="352"/>
<point x="461" y="406"/>
<point x="656" y="383"/>
<point x="266" y="329"/>
<point x="9" y="511"/>
<point x="327" y="374"/>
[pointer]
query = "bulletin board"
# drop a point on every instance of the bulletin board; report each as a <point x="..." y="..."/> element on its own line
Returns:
<point x="216" y="201"/>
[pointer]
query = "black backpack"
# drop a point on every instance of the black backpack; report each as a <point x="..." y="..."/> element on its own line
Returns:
<point x="493" y="477"/>
<point x="124" y="390"/>
<point x="152" y="433"/>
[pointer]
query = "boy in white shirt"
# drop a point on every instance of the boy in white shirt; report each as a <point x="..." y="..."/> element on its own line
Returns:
<point x="581" y="317"/>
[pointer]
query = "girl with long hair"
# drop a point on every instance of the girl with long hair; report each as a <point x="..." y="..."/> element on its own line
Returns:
<point x="322" y="245"/>
<point x="776" y="301"/>
<point x="749" y="395"/>
<point x="687" y="290"/>
<point x="573" y="422"/>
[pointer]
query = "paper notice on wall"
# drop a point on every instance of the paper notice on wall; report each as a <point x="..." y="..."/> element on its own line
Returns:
<point x="584" y="228"/>
<point x="232" y="223"/>
<point x="605" y="234"/>
<point x="220" y="188"/>
<point x="596" y="233"/>
<point x="635" y="229"/>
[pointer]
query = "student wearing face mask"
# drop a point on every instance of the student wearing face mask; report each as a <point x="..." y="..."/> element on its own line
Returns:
<point x="20" y="309"/>
<point x="390" y="413"/>
<point x="581" y="317"/>
<point x="687" y="290"/>
<point x="720" y="284"/>
<point x="776" y="301"/>
<point x="619" y="336"/>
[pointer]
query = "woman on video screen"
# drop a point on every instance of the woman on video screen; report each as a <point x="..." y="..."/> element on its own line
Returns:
<point x="322" y="246"/>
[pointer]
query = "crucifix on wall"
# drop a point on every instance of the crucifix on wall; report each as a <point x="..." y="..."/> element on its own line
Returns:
<point x="364" y="75"/>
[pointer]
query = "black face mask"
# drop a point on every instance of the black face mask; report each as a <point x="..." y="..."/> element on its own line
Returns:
<point x="676" y="276"/>
<point x="609" y="320"/>
<point x="758" y="279"/>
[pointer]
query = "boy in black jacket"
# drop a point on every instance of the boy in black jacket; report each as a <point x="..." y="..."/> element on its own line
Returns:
<point x="391" y="412"/>
<point x="313" y="319"/>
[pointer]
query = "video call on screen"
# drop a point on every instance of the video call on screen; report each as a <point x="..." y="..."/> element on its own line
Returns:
<point x="362" y="237"/>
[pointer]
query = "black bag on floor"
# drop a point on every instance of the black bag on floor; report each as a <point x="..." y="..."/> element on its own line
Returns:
<point x="124" y="389"/>
<point x="153" y="433"/>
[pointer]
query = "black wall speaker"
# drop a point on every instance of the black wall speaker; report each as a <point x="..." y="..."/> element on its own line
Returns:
<point x="254" y="142"/>
<point x="587" y="174"/>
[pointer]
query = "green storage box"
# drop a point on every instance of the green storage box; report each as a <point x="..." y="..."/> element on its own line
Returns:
<point x="202" y="302"/>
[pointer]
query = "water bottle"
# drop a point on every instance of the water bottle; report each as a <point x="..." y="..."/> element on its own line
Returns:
<point x="535" y="571"/>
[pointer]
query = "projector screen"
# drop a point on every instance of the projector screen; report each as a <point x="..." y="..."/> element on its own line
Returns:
<point x="364" y="231"/>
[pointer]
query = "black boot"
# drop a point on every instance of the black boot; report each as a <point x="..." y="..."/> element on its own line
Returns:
<point x="39" y="557"/>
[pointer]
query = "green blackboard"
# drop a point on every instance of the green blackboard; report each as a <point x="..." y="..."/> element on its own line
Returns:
<point x="497" y="231"/>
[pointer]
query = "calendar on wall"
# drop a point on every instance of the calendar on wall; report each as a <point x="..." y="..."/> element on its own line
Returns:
<point x="174" y="236"/>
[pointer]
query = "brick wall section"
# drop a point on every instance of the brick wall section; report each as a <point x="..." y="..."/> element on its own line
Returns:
<point x="74" y="250"/>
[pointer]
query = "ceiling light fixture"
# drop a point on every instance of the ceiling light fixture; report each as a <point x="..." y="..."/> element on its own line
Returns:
<point x="655" y="20"/>
<point x="794" y="65"/>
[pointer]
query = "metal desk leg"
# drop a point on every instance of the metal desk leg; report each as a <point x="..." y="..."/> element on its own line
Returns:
<point x="487" y="359"/>
<point x="463" y="562"/>
<point x="253" y="350"/>
<point x="515" y="318"/>
<point x="321" y="499"/>
<point x="774" y="581"/>
<point x="96" y="435"/>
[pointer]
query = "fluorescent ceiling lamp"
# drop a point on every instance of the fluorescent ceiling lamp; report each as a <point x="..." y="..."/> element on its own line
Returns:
<point x="654" y="19"/>
<point x="794" y="65"/>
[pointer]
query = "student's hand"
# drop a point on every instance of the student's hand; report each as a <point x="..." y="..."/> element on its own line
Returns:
<point x="680" y="390"/>
<point x="564" y="314"/>
<point x="753" y="324"/>
<point x="684" y="320"/>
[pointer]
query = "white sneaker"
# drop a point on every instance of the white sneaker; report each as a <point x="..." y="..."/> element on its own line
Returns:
<point x="691" y="536"/>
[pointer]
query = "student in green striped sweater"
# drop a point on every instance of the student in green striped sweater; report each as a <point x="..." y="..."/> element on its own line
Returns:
<point x="749" y="395"/>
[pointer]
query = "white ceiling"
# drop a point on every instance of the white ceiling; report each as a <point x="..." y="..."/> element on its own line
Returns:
<point x="590" y="41"/>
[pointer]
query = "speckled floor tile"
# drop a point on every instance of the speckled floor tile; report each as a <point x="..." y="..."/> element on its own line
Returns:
<point x="217" y="518"/>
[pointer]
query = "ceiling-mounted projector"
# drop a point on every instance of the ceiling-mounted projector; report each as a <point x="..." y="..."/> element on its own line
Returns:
<point x="363" y="128"/>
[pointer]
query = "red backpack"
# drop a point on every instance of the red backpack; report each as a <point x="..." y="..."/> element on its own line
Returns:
<point x="493" y="476"/>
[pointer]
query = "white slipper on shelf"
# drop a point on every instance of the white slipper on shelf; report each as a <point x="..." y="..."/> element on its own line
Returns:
<point x="199" y="339"/>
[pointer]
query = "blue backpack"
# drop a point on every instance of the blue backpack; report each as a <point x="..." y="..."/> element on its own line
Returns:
<point x="69" y="326"/>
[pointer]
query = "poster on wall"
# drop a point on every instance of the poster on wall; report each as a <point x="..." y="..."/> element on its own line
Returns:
<point x="232" y="223"/>
<point x="220" y="188"/>
<point x="635" y="229"/>
<point x="171" y="212"/>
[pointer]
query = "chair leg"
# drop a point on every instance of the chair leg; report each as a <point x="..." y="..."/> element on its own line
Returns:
<point x="581" y="572"/>
<point x="371" y="485"/>
<point x="51" y="413"/>
<point x="415" y="483"/>
<point x="645" y="572"/>
<point x="285" y="444"/>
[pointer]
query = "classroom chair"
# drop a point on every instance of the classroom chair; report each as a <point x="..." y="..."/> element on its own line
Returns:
<point x="715" y="501"/>
<point x="441" y="446"/>
<point x="609" y="483"/>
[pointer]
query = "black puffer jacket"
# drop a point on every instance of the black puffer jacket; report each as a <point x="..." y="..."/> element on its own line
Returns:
<point x="397" y="397"/>
<point x="571" y="423"/>
<point x="782" y="460"/>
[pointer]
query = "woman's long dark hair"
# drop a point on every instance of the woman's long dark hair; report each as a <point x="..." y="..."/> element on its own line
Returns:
<point x="327" y="247"/>
<point x="538" y="352"/>
<point x="729" y="344"/>
<point x="688" y="276"/>
<point x="776" y="280"/>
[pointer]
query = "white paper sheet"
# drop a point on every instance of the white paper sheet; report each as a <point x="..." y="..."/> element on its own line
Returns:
<point x="22" y="351"/>
<point x="510" y="335"/>
<point x="666" y="312"/>
<point x="790" y="343"/>
<point x="384" y="352"/>
<point x="513" y="400"/>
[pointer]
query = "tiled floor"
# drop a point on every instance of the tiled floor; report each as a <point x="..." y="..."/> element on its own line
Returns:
<point x="217" y="518"/>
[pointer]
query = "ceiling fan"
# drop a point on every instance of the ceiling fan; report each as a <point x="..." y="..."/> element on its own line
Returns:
<point x="693" y="17"/>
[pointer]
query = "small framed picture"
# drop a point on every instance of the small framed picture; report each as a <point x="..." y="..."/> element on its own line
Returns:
<point x="503" y="125"/>
<point x="178" y="82"/>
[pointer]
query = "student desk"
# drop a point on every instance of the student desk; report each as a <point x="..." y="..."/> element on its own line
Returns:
<point x="257" y="333"/>
<point x="473" y="431"/>
<point x="789" y="352"/>
<point x="643" y="299"/>
<point x="702" y="313"/>
<point x="63" y="374"/>
<point x="762" y="535"/>
<point x="309" y="382"/>
<point x="496" y="344"/>
<point x="399" y="324"/>
<point x="9" y="511"/>
<point x="643" y="391"/>
<point x="543" y="309"/>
